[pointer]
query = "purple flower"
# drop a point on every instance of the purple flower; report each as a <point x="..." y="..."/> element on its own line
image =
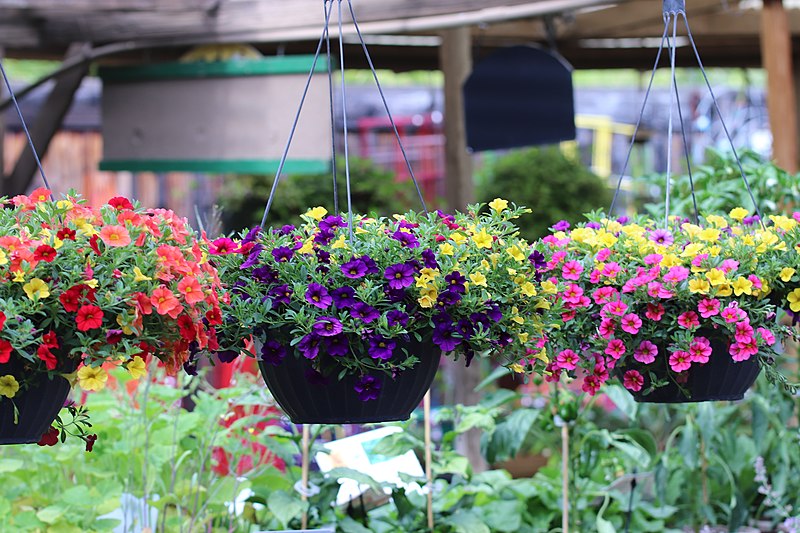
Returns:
<point x="327" y="326"/>
<point x="397" y="318"/>
<point x="662" y="237"/>
<point x="749" y="221"/>
<point x="251" y="235"/>
<point x="448" y="298"/>
<point x="323" y="256"/>
<point x="265" y="274"/>
<point x="394" y="295"/>
<point x="252" y="259"/>
<point x="318" y="296"/>
<point x="344" y="297"/>
<point x="561" y="225"/>
<point x="309" y="346"/>
<point x="372" y="268"/>
<point x="623" y="219"/>
<point x="455" y="282"/>
<point x="406" y="239"/>
<point x="381" y="348"/>
<point x="331" y="222"/>
<point x="282" y="254"/>
<point x="400" y="275"/>
<point x="594" y="225"/>
<point x="537" y="260"/>
<point x="444" y="337"/>
<point x="286" y="230"/>
<point x="227" y="356"/>
<point x="493" y="312"/>
<point x="338" y="345"/>
<point x="480" y="319"/>
<point x="282" y="294"/>
<point x="273" y="352"/>
<point x="445" y="216"/>
<point x="505" y="339"/>
<point x="429" y="258"/>
<point x="324" y="237"/>
<point x="465" y="329"/>
<point x="365" y="313"/>
<point x="355" y="268"/>
<point x="441" y="319"/>
<point x="315" y="378"/>
<point x="368" y="388"/>
<point x="190" y="366"/>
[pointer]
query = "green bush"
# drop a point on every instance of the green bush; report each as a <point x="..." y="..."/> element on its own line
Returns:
<point x="555" y="186"/>
<point x="373" y="190"/>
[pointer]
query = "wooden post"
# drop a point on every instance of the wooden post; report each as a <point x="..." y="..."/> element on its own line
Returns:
<point x="776" y="57"/>
<point x="304" y="471"/>
<point x="2" y="134"/>
<point x="564" y="477"/>
<point x="428" y="457"/>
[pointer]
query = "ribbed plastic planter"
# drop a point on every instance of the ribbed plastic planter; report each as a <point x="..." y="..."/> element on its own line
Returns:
<point x="37" y="406"/>
<point x="721" y="379"/>
<point x="337" y="402"/>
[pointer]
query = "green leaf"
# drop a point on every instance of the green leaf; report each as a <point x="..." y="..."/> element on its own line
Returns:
<point x="505" y="516"/>
<point x="285" y="507"/>
<point x="623" y="400"/>
<point x="348" y="525"/>
<point x="509" y="436"/>
<point x="467" y="522"/>
<point x="10" y="465"/>
<point x="496" y="374"/>
<point x="50" y="514"/>
<point x="355" y="475"/>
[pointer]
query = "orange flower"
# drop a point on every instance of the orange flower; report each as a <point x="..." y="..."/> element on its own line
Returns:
<point x="115" y="236"/>
<point x="192" y="292"/>
<point x="40" y="195"/>
<point x="164" y="301"/>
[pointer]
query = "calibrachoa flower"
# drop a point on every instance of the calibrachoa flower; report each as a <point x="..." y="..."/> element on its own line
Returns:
<point x="658" y="301"/>
<point x="89" y="285"/>
<point x="463" y="284"/>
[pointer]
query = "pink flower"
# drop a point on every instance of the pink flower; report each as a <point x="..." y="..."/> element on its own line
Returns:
<point x="591" y="384"/>
<point x="700" y="350"/>
<point x="631" y="323"/>
<point x="607" y="327"/>
<point x="568" y="315"/>
<point x="567" y="360"/>
<point x="657" y="290"/>
<point x="708" y="307"/>
<point x="602" y="255"/>
<point x="756" y="281"/>
<point x="676" y="274"/>
<point x="688" y="320"/>
<point x="572" y="270"/>
<point x="572" y="293"/>
<point x="680" y="361"/>
<point x="742" y="352"/>
<point x="615" y="349"/>
<point x="604" y="295"/>
<point x="766" y="336"/>
<point x="617" y="307"/>
<point x="744" y="332"/>
<point x="646" y="352"/>
<point x="732" y="313"/>
<point x="594" y="277"/>
<point x="552" y="373"/>
<point x="653" y="259"/>
<point x="654" y="312"/>
<point x="729" y="265"/>
<point x="633" y="380"/>
<point x="698" y="259"/>
<point x="610" y="270"/>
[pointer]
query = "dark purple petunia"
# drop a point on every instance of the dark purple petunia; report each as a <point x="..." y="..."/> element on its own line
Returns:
<point x="315" y="378"/>
<point x="561" y="225"/>
<point x="493" y="311"/>
<point x="397" y="318"/>
<point x="331" y="222"/>
<point x="456" y="282"/>
<point x="368" y="388"/>
<point x="287" y="229"/>
<point x="480" y="319"/>
<point x="327" y="326"/>
<point x="337" y="345"/>
<point x="318" y="296"/>
<point x="190" y="367"/>
<point x="265" y="274"/>
<point x="537" y="260"/>
<point x="465" y="329"/>
<point x="227" y="356"/>
<point x="448" y="298"/>
<point x="364" y="312"/>
<point x="400" y="275"/>
<point x="355" y="268"/>
<point x="444" y="337"/>
<point x="323" y="256"/>
<point x="251" y="235"/>
<point x="429" y="258"/>
<point x="407" y="224"/>
<point x="324" y="237"/>
<point x="282" y="294"/>
<point x="442" y="319"/>
<point x="394" y="295"/>
<point x="372" y="267"/>
<point x="381" y="348"/>
<point x="282" y="254"/>
<point x="505" y="339"/>
<point x="406" y="239"/>
<point x="273" y="352"/>
<point x="468" y="355"/>
<point x="344" y="297"/>
<point x="309" y="345"/>
<point x="252" y="259"/>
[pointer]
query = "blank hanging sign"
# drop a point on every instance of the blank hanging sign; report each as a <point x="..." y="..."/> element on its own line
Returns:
<point x="519" y="96"/>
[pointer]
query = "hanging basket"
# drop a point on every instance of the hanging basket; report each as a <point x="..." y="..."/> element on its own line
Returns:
<point x="334" y="401"/>
<point x="721" y="379"/>
<point x="38" y="406"/>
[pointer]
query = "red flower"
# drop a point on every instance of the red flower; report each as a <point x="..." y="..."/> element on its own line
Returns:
<point x="188" y="331"/>
<point x="2" y="319"/>
<point x="66" y="234"/>
<point x="120" y="202"/>
<point x="93" y="243"/>
<point x="71" y="298"/>
<point x="44" y="253"/>
<point x="90" y="440"/>
<point x="50" y="340"/>
<point x="44" y="353"/>
<point x="89" y="317"/>
<point x="50" y="437"/>
<point x="5" y="351"/>
<point x="214" y="316"/>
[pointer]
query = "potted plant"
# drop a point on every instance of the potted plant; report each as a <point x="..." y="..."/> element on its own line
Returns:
<point x="350" y="321"/>
<point x="84" y="287"/>
<point x="679" y="313"/>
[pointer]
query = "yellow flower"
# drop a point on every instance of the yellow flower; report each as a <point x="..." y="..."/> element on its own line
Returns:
<point x="698" y="285"/>
<point x="738" y="213"/>
<point x="709" y="235"/>
<point x="548" y="287"/>
<point x="742" y="286"/>
<point x="691" y="229"/>
<point x="606" y="239"/>
<point x="523" y="337"/>
<point x="446" y="248"/>
<point x="794" y="300"/>
<point x="542" y="356"/>
<point x="139" y="276"/>
<point x="36" y="288"/>
<point x="516" y="253"/>
<point x="126" y="329"/>
<point x="478" y="279"/>
<point x="670" y="260"/>
<point x="8" y="386"/>
<point x="485" y="264"/>
<point x="482" y="239"/>
<point x="528" y="289"/>
<point x="717" y="221"/>
<point x="92" y="378"/>
<point x="511" y="271"/>
<point x="307" y="248"/>
<point x="783" y="222"/>
<point x="137" y="368"/>
<point x="516" y="367"/>
<point x="339" y="243"/>
<point x="716" y="276"/>
<point x="57" y="243"/>
<point x="458" y="238"/>
<point x="91" y="283"/>
<point x="19" y="276"/>
<point x="515" y="316"/>
<point x="692" y="249"/>
<point x="428" y="296"/>
<point x="317" y="213"/>
<point x="3" y="258"/>
<point x="724" y="289"/>
<point x="787" y="273"/>
<point x="498" y="204"/>
<point x="714" y="251"/>
<point x="64" y="204"/>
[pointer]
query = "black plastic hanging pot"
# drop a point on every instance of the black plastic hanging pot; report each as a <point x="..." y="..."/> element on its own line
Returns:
<point x="38" y="405"/>
<point x="721" y="379"/>
<point x="330" y="400"/>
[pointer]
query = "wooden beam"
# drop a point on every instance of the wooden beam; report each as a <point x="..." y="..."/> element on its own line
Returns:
<point x="45" y="126"/>
<point x="776" y="53"/>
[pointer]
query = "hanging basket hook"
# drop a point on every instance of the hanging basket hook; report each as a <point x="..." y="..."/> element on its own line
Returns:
<point x="674" y="8"/>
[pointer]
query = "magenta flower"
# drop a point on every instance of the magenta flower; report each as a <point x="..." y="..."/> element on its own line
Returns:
<point x="633" y="380"/>
<point x="646" y="352"/>
<point x="676" y="274"/>
<point x="744" y="332"/>
<point x="653" y="259"/>
<point x="617" y="307"/>
<point x="602" y="255"/>
<point x="766" y="336"/>
<point x="631" y="323"/>
<point x="615" y="349"/>
<point x="603" y="295"/>
<point x="680" y="361"/>
<point x="708" y="307"/>
<point x="567" y="360"/>
<point x="400" y="275"/>
<point x="700" y="350"/>
<point x="571" y="270"/>
<point x="610" y="270"/>
<point x="729" y="265"/>
<point x="368" y="388"/>
<point x="327" y="326"/>
<point x="318" y="296"/>
<point x="572" y="293"/>
<point x="688" y="320"/>
<point x="561" y="225"/>
<point x="732" y="313"/>
<point x="222" y="246"/>
<point x="607" y="327"/>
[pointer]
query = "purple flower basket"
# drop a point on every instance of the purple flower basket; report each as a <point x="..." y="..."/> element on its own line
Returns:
<point x="38" y="406"/>
<point x="334" y="401"/>
<point x="721" y="379"/>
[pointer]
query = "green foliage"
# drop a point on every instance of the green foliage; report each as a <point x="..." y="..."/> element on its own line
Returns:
<point x="553" y="185"/>
<point x="373" y="189"/>
<point x="719" y="187"/>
